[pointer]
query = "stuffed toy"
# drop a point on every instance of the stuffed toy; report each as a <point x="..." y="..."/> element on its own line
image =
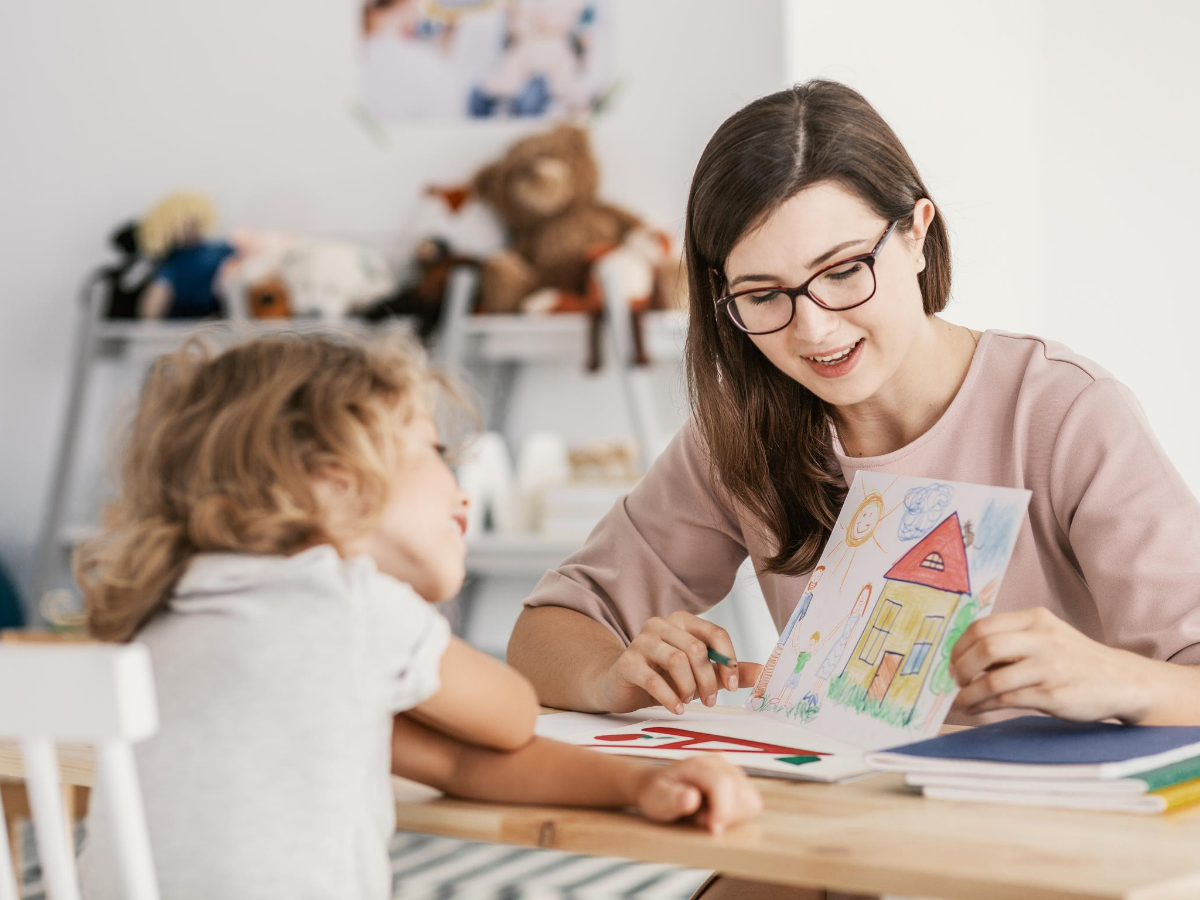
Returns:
<point x="544" y="191"/>
<point x="331" y="279"/>
<point x="455" y="230"/>
<point x="178" y="233"/>
<point x="423" y="298"/>
<point x="126" y="281"/>
<point x="269" y="298"/>
<point x="279" y="275"/>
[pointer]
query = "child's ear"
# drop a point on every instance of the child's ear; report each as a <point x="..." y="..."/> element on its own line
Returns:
<point x="339" y="501"/>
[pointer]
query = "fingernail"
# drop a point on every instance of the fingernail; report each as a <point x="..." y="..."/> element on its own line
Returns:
<point x="710" y="700"/>
<point x="679" y="709"/>
<point x="731" y="683"/>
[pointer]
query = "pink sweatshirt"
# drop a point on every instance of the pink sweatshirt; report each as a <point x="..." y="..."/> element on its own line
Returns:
<point x="1111" y="542"/>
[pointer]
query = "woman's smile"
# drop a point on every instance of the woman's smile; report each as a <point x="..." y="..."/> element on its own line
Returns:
<point x="837" y="363"/>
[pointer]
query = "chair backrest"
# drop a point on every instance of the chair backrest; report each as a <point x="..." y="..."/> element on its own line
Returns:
<point x="96" y="694"/>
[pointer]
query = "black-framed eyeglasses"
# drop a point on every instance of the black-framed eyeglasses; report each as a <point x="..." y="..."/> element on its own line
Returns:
<point x="839" y="286"/>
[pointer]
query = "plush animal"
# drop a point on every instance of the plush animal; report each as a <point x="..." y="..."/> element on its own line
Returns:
<point x="422" y="298"/>
<point x="178" y="232"/>
<point x="269" y="298"/>
<point x="126" y="281"/>
<point x="544" y="191"/>
<point x="331" y="279"/>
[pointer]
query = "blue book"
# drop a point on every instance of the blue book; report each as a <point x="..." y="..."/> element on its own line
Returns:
<point x="1043" y="747"/>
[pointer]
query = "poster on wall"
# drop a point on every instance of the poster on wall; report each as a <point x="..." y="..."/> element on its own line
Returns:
<point x="485" y="59"/>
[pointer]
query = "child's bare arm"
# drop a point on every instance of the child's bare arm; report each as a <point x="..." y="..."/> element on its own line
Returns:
<point x="715" y="793"/>
<point x="480" y="700"/>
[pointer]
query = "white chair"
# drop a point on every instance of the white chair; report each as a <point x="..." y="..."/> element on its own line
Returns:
<point x="96" y="694"/>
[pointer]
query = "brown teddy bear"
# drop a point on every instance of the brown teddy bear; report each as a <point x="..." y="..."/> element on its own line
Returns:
<point x="544" y="191"/>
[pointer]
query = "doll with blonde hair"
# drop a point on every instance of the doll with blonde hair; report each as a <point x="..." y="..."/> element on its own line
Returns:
<point x="285" y="524"/>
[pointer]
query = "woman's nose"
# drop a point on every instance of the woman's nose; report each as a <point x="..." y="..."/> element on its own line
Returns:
<point x="812" y="324"/>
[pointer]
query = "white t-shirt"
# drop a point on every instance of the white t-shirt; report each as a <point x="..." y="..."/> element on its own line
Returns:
<point x="277" y="678"/>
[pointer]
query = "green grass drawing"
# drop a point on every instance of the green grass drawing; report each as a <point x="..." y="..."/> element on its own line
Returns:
<point x="802" y="711"/>
<point x="845" y="692"/>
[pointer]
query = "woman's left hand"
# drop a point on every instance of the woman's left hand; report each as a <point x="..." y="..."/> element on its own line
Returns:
<point x="1031" y="659"/>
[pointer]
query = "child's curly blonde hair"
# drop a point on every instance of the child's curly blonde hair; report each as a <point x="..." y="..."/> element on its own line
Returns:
<point x="223" y="452"/>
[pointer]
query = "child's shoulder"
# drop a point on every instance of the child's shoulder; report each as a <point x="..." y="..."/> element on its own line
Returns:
<point x="313" y="572"/>
<point x="314" y="591"/>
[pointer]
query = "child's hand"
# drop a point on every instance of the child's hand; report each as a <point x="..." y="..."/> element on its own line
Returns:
<point x="715" y="793"/>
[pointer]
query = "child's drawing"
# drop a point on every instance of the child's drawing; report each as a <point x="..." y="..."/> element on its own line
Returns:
<point x="793" y="681"/>
<point x="941" y="684"/>
<point x="860" y="529"/>
<point x="797" y="614"/>
<point x="923" y="507"/>
<point x="887" y="669"/>
<point x="835" y="653"/>
<point x="870" y="665"/>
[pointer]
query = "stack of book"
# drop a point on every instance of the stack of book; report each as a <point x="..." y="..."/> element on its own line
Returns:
<point x="1043" y="761"/>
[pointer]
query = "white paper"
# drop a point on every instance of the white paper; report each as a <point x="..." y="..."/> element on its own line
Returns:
<point x="756" y="743"/>
<point x="910" y="563"/>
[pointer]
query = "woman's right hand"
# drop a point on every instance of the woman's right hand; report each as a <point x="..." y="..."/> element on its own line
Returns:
<point x="668" y="663"/>
<point x="713" y="793"/>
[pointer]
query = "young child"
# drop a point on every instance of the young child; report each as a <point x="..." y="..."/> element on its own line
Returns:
<point x="286" y="521"/>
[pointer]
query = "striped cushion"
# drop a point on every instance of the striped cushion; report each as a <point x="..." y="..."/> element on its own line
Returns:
<point x="436" y="868"/>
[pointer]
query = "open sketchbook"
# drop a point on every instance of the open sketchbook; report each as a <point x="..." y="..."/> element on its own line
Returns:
<point x="862" y="663"/>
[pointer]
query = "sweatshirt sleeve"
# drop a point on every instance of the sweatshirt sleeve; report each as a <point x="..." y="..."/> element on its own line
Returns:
<point x="1132" y="524"/>
<point x="670" y="544"/>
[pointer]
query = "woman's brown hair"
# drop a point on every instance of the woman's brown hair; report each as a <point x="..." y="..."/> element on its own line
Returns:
<point x="768" y="438"/>
<point x="223" y="452"/>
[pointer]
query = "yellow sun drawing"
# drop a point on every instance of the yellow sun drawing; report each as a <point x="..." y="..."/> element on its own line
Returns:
<point x="862" y="527"/>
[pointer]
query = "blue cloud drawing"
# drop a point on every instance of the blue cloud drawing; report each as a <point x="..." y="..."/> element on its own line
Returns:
<point x="923" y="508"/>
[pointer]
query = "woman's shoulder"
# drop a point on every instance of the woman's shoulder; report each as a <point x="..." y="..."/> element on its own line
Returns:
<point x="1041" y="373"/>
<point x="1058" y="391"/>
<point x="1039" y="358"/>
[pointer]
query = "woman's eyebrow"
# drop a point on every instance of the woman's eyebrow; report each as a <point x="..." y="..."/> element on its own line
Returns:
<point x="824" y="257"/>
<point x="833" y="251"/>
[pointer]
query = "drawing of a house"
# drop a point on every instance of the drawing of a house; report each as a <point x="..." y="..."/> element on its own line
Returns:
<point x="896" y="651"/>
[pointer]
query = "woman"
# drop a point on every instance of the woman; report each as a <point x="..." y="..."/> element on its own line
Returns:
<point x="818" y="264"/>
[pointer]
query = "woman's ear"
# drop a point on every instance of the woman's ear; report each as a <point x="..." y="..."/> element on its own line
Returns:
<point x="922" y="217"/>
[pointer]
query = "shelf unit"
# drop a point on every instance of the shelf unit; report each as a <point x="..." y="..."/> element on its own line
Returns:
<point x="500" y="343"/>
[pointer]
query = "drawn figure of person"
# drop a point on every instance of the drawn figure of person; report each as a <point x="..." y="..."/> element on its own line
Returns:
<point x="798" y="613"/>
<point x="834" y="657"/>
<point x="793" y="680"/>
<point x="806" y="600"/>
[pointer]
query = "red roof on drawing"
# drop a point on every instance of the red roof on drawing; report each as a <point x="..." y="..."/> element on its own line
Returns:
<point x="939" y="560"/>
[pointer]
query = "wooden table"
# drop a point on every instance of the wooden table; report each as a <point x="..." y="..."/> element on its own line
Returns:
<point x="869" y="836"/>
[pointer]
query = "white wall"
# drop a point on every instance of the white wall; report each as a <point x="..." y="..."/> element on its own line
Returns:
<point x="106" y="106"/>
<point x="1059" y="139"/>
